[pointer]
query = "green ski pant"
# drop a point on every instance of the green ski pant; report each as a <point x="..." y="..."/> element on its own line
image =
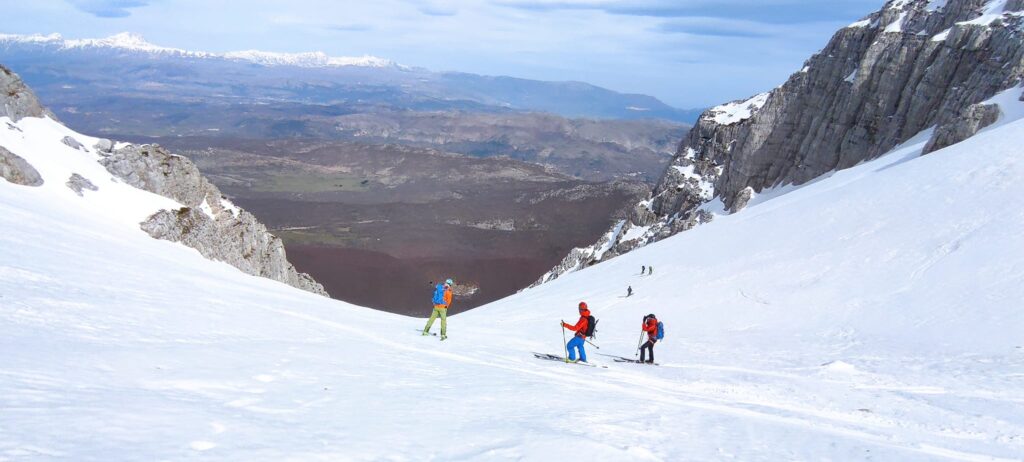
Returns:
<point x="443" y="313"/>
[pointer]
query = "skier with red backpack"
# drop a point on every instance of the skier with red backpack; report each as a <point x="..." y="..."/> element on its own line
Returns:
<point x="655" y="331"/>
<point x="583" y="328"/>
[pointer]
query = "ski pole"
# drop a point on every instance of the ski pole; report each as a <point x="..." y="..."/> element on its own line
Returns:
<point x="565" y="346"/>
<point x="638" y="343"/>
<point x="593" y="344"/>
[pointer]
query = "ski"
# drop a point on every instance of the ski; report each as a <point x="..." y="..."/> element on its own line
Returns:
<point x="633" y="361"/>
<point x="623" y="359"/>
<point x="551" y="357"/>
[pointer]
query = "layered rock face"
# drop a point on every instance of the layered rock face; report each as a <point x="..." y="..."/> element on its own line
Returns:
<point x="914" y="65"/>
<point x="209" y="222"/>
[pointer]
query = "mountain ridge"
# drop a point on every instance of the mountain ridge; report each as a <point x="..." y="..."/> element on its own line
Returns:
<point x="314" y="77"/>
<point x="134" y="42"/>
<point x="911" y="66"/>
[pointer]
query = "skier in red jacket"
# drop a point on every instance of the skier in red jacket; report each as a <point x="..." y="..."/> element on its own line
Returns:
<point x="580" y="337"/>
<point x="650" y="326"/>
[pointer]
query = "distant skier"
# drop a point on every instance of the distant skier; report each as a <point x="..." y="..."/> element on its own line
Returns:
<point x="650" y="270"/>
<point x="629" y="291"/>
<point x="650" y="326"/>
<point x="580" y="329"/>
<point x="643" y="269"/>
<point x="442" y="300"/>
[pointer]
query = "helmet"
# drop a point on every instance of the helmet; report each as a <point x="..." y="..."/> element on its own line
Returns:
<point x="449" y="282"/>
<point x="583" y="305"/>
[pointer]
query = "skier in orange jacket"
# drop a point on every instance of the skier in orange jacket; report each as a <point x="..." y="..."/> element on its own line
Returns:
<point x="580" y="337"/>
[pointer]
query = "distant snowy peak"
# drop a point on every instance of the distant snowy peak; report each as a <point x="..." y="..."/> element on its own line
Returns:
<point x="308" y="59"/>
<point x="123" y="41"/>
<point x="132" y="42"/>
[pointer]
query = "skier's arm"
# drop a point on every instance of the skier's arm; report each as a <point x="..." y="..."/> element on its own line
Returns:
<point x="578" y="327"/>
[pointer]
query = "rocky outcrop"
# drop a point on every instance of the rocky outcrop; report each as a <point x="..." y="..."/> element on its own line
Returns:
<point x="79" y="183"/>
<point x="16" y="100"/>
<point x="914" y="65"/>
<point x="104" y="146"/>
<point x="241" y="242"/>
<point x="970" y="123"/>
<point x="208" y="222"/>
<point x="17" y="170"/>
<point x="72" y="143"/>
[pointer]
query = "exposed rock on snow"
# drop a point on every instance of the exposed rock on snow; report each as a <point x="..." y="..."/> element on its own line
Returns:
<point x="241" y="242"/>
<point x="221" y="232"/>
<point x="16" y="100"/>
<point x="971" y="121"/>
<point x="17" y="170"/>
<point x="73" y="143"/>
<point x="104" y="146"/>
<point x="151" y="168"/>
<point x="912" y="65"/>
<point x="79" y="183"/>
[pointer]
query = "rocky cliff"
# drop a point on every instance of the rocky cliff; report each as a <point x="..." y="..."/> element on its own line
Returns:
<point x="207" y="221"/>
<point x="913" y="66"/>
<point x="16" y="100"/>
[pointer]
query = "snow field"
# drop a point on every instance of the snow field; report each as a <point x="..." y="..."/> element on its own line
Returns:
<point x="872" y="315"/>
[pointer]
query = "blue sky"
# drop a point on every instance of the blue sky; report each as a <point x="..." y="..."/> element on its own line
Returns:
<point x="689" y="53"/>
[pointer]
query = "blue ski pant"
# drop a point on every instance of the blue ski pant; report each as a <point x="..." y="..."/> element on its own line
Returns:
<point x="574" y="344"/>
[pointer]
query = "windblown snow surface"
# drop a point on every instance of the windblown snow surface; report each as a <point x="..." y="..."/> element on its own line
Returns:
<point x="874" y="315"/>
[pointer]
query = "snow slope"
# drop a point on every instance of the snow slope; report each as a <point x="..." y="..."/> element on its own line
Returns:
<point x="873" y="315"/>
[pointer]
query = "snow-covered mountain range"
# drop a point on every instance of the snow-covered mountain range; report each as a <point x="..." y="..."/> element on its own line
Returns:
<point x="872" y="315"/>
<point x="912" y="66"/>
<point x="132" y="42"/>
<point x="131" y="65"/>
